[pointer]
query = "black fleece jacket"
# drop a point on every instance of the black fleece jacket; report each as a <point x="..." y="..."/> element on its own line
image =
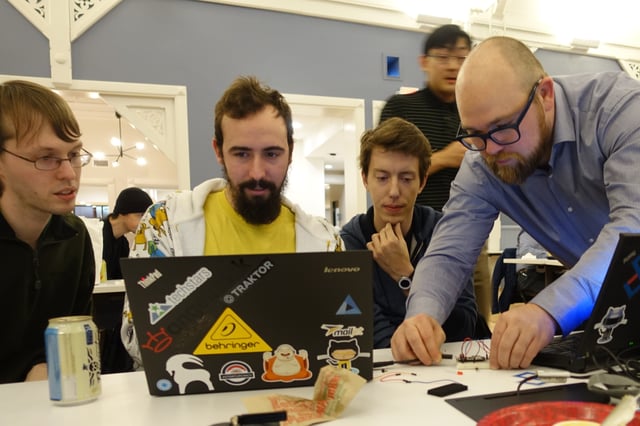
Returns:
<point x="54" y="280"/>
<point x="388" y="299"/>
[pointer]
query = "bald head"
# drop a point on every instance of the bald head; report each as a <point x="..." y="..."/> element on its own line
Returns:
<point x="503" y="61"/>
<point x="503" y="89"/>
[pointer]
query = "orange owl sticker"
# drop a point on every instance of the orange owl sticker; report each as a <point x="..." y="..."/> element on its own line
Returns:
<point x="286" y="365"/>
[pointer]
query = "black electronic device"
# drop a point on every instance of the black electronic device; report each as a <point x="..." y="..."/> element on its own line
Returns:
<point x="447" y="390"/>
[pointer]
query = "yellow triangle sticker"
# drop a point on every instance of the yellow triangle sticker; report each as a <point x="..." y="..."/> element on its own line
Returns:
<point x="230" y="335"/>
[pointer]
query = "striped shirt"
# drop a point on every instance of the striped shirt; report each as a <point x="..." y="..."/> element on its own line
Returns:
<point x="439" y="122"/>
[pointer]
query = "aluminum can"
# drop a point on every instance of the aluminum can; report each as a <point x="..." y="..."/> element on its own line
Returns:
<point x="73" y="360"/>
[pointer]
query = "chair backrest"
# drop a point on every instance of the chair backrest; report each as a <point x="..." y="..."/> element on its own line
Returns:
<point x="504" y="282"/>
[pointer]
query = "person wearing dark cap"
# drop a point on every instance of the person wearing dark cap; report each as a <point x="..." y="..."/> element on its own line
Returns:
<point x="130" y="206"/>
<point x="434" y="111"/>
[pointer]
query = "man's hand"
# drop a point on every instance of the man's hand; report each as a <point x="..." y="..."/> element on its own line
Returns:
<point x="519" y="335"/>
<point x="390" y="251"/>
<point x="418" y="337"/>
<point x="37" y="372"/>
<point x="448" y="157"/>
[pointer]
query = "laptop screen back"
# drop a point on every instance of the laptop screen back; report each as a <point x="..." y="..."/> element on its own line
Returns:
<point x="240" y="322"/>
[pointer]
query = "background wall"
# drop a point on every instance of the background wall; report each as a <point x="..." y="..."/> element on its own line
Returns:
<point x="204" y="46"/>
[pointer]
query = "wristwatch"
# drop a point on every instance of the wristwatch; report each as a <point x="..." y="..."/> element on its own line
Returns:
<point x="404" y="283"/>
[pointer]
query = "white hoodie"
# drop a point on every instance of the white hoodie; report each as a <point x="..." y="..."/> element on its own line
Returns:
<point x="176" y="227"/>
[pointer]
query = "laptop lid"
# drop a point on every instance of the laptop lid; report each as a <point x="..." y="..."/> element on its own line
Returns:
<point x="241" y="322"/>
<point x="615" y="317"/>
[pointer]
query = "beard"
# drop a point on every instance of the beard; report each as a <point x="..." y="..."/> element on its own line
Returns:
<point x="256" y="210"/>
<point x="524" y="165"/>
<point x="514" y="174"/>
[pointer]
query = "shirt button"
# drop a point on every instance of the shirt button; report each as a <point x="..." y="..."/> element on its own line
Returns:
<point x="570" y="209"/>
<point x="591" y="240"/>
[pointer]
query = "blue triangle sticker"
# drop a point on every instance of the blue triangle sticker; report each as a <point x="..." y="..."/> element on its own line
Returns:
<point x="158" y="310"/>
<point x="349" y="307"/>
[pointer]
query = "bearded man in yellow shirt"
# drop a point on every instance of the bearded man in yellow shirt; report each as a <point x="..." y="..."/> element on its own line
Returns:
<point x="244" y="213"/>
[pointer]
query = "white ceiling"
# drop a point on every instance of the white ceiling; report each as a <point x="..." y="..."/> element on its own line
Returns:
<point x="551" y="24"/>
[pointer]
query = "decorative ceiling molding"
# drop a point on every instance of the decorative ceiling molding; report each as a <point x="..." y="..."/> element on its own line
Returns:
<point x="632" y="68"/>
<point x="61" y="25"/>
<point x="88" y="12"/>
<point x="155" y="117"/>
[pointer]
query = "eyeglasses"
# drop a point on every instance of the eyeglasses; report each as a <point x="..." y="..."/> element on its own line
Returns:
<point x="76" y="160"/>
<point x="502" y="135"/>
<point x="444" y="59"/>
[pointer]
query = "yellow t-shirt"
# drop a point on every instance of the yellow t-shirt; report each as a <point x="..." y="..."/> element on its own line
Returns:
<point x="228" y="233"/>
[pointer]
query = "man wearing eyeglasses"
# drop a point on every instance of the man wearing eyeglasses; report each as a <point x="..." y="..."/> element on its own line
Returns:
<point x="46" y="253"/>
<point x="434" y="111"/>
<point x="557" y="155"/>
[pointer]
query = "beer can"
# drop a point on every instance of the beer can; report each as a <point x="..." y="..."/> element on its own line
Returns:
<point x="73" y="359"/>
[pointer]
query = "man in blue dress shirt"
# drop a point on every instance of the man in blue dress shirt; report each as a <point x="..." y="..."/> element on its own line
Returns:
<point x="557" y="155"/>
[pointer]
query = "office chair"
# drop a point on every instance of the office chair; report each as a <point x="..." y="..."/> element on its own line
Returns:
<point x="504" y="282"/>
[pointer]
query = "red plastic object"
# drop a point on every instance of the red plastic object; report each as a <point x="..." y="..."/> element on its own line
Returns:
<point x="548" y="413"/>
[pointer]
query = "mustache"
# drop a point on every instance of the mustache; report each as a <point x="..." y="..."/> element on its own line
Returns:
<point x="258" y="184"/>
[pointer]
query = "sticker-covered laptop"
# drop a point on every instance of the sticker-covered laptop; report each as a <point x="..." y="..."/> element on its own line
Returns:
<point x="612" y="327"/>
<point x="241" y="322"/>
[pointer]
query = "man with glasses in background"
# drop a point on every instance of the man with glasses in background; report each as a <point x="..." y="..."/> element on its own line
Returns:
<point x="434" y="111"/>
<point x="557" y="155"/>
<point x="46" y="254"/>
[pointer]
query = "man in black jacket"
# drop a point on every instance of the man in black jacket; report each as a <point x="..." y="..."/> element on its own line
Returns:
<point x="47" y="258"/>
<point x="394" y="160"/>
<point x="127" y="212"/>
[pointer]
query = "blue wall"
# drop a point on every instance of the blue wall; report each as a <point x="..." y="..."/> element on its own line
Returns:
<point x="204" y="46"/>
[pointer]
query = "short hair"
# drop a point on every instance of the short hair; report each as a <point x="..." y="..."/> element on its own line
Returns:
<point x="445" y="36"/>
<point x="245" y="97"/>
<point x="396" y="135"/>
<point x="25" y="107"/>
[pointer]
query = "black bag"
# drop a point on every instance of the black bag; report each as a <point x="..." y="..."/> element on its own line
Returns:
<point x="529" y="283"/>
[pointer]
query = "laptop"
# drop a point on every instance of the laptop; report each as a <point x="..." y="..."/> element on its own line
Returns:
<point x="243" y="322"/>
<point x="613" y="324"/>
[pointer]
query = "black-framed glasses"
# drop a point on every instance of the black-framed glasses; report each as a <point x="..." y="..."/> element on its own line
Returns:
<point x="444" y="59"/>
<point x="502" y="135"/>
<point x="76" y="159"/>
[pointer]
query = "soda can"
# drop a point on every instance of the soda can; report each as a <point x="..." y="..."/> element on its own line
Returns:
<point x="73" y="359"/>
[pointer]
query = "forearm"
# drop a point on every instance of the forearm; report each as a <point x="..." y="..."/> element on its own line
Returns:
<point x="449" y="157"/>
<point x="567" y="302"/>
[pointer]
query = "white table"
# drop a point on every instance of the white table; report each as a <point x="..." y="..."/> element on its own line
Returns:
<point x="533" y="261"/>
<point x="552" y="267"/>
<point x="125" y="400"/>
<point x="109" y="286"/>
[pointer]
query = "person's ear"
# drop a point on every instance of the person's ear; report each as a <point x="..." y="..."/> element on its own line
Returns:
<point x="217" y="150"/>
<point x="424" y="182"/>
<point x="364" y="180"/>
<point x="546" y="93"/>
<point x="423" y="62"/>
